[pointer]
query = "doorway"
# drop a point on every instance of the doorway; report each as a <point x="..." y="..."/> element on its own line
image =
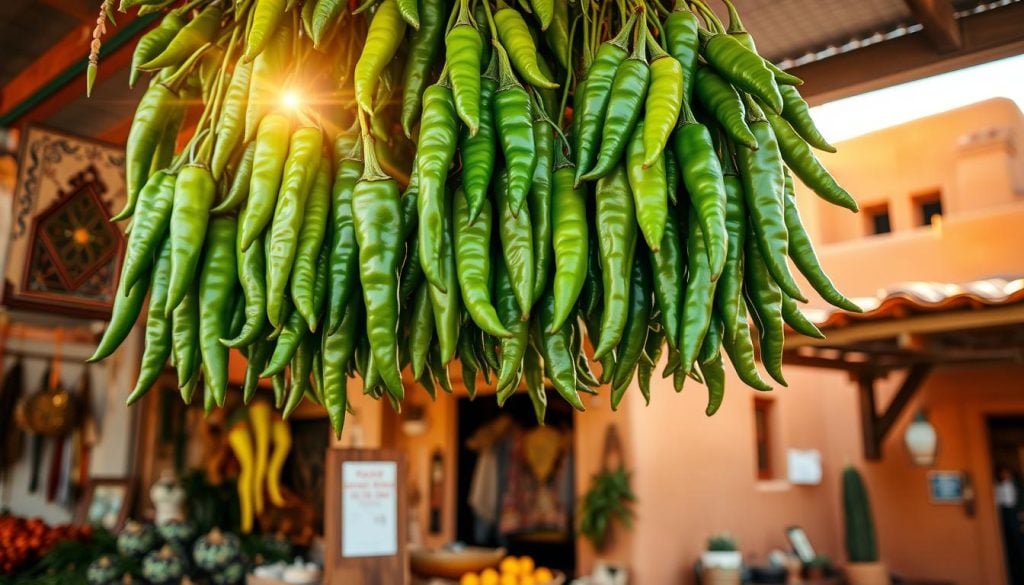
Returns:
<point x="531" y="468"/>
<point x="1006" y="443"/>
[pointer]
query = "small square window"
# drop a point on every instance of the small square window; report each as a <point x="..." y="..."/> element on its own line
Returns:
<point x="877" y="217"/>
<point x="928" y="207"/>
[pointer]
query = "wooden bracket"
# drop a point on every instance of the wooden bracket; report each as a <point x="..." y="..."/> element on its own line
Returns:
<point x="874" y="426"/>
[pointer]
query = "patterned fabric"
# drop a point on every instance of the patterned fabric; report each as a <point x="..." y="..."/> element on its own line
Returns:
<point x="529" y="505"/>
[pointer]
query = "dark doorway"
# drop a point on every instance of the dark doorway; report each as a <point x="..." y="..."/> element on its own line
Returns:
<point x="1006" y="437"/>
<point x="551" y="544"/>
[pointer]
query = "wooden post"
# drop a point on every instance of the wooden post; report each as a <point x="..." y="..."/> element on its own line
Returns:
<point x="868" y="417"/>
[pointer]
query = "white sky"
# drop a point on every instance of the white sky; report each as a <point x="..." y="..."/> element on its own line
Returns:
<point x="895" y="105"/>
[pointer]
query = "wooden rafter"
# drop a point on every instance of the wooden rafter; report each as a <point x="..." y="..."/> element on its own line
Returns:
<point x="985" y="36"/>
<point x="875" y="426"/>
<point x="939" y="21"/>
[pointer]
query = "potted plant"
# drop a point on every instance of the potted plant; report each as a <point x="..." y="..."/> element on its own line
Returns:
<point x="722" y="562"/>
<point x="863" y="566"/>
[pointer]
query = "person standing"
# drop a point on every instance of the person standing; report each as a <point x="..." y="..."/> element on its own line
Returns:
<point x="1008" y="501"/>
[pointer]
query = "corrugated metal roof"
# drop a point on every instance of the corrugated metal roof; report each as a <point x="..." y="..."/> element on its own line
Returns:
<point x="916" y="298"/>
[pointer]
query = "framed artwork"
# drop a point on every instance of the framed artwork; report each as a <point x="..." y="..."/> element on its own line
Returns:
<point x="945" y="487"/>
<point x="105" y="502"/>
<point x="64" y="254"/>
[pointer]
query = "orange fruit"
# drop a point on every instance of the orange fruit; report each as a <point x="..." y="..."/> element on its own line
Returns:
<point x="470" y="579"/>
<point x="543" y="575"/>
<point x="489" y="577"/>
<point x="526" y="565"/>
<point x="509" y="566"/>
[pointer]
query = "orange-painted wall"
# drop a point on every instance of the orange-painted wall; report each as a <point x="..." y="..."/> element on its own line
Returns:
<point x="695" y="476"/>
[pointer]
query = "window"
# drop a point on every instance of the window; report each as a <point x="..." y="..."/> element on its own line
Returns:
<point x="877" y="217"/>
<point x="762" y="435"/>
<point x="929" y="206"/>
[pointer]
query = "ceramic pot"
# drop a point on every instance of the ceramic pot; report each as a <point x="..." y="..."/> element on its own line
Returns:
<point x="720" y="576"/>
<point x="867" y="574"/>
<point x="724" y="559"/>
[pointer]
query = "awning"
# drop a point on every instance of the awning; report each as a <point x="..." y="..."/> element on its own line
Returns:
<point x="913" y="327"/>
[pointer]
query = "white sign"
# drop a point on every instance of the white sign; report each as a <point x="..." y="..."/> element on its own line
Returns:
<point x="369" y="508"/>
<point x="804" y="466"/>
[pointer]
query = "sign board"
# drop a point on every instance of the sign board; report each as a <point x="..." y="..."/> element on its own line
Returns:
<point x="365" y="520"/>
<point x="945" y="487"/>
<point x="803" y="466"/>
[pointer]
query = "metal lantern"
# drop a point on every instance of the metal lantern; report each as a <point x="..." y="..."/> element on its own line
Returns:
<point x="921" y="440"/>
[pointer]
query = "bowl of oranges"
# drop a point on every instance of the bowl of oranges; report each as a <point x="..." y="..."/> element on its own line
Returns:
<point x="513" y="571"/>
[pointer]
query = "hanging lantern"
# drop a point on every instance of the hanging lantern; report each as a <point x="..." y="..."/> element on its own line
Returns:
<point x="921" y="440"/>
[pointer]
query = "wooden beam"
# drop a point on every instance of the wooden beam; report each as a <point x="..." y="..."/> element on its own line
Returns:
<point x="915" y="377"/>
<point x="868" y="431"/>
<point x="927" y="323"/>
<point x="939" y="22"/>
<point x="985" y="36"/>
<point x="71" y="48"/>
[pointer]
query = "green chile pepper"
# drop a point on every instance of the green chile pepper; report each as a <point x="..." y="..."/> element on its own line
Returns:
<point x="217" y="282"/>
<point x="617" y="243"/>
<point x="765" y="301"/>
<point x="713" y="370"/>
<point x="798" y="114"/>
<point x="185" y="338"/>
<point x="158" y="328"/>
<point x="264" y="20"/>
<point x="740" y="348"/>
<point x="267" y="171"/>
<point x="664" y="102"/>
<point x="434" y="155"/>
<point x="446" y="301"/>
<point x="764" y="187"/>
<point x="256" y="360"/>
<point x="516" y="38"/>
<point x="199" y="31"/>
<point x="634" y="338"/>
<point x="533" y="371"/>
<point x="700" y="295"/>
<point x="516" y="234"/>
<point x="149" y="227"/>
<point x="729" y="291"/>
<point x="325" y="15"/>
<point x="472" y="257"/>
<point x="702" y="175"/>
<point x="148" y="125"/>
<point x="387" y="30"/>
<point x="593" y="98"/>
<point x="683" y="43"/>
<point x="557" y="35"/>
<point x="805" y="165"/>
<point x="377" y="217"/>
<point x="153" y="43"/>
<point x="515" y="132"/>
<point x="649" y="185"/>
<point x="344" y="261"/>
<point x="798" y="321"/>
<point x="741" y="67"/>
<point x="539" y="201"/>
<point x="290" y="335"/>
<point x="306" y="268"/>
<point x="478" y="151"/>
<point x="571" y="243"/>
<point x="338" y="348"/>
<point x="668" y="269"/>
<point x="231" y="123"/>
<point x="721" y="100"/>
<point x="421" y="329"/>
<point x="514" y="347"/>
<point x="264" y="82"/>
<point x="556" y="349"/>
<point x="238" y="192"/>
<point x="802" y="252"/>
<point x="424" y="46"/>
<point x="301" y="366"/>
<point x="252" y="271"/>
<point x="629" y="88"/>
<point x="194" y="190"/>
<point x="463" y="54"/>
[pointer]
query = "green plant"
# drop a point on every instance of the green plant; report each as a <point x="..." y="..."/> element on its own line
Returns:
<point x="722" y="542"/>
<point x="861" y="546"/>
<point x="607" y="500"/>
<point x="819" y="562"/>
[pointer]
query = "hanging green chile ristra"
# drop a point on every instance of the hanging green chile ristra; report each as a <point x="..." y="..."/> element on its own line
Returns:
<point x="496" y="255"/>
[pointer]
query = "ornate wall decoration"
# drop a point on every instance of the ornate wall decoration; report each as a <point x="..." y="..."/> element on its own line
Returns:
<point x="64" y="254"/>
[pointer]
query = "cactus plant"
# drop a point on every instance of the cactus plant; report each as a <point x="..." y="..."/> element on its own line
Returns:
<point x="861" y="546"/>
<point x="722" y="542"/>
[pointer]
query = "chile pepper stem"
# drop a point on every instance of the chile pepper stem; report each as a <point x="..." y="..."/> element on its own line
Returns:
<point x="490" y="24"/>
<point x="173" y="82"/>
<point x="188" y="6"/>
<point x="371" y="167"/>
<point x="709" y="16"/>
<point x="735" y="24"/>
<point x="569" y="75"/>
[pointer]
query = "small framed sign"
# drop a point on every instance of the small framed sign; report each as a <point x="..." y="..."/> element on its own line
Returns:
<point x="945" y="487"/>
<point x="365" y="523"/>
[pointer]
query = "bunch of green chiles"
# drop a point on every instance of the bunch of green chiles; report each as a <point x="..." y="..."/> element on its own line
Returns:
<point x="592" y="183"/>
